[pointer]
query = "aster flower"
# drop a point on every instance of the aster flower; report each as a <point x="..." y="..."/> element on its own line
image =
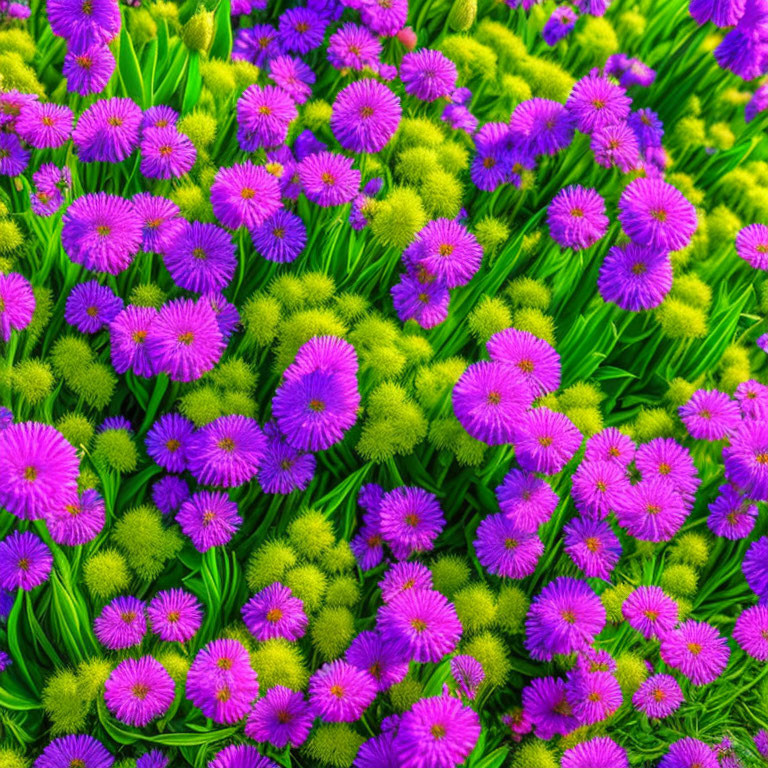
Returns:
<point x="166" y="153"/>
<point x="384" y="17"/>
<point x="167" y="439"/>
<point x="377" y="752"/>
<point x="597" y="488"/>
<point x="528" y="501"/>
<point x="492" y="164"/>
<point x="658" y="696"/>
<point x="446" y="249"/>
<point x="365" y="116"/>
<point x="742" y="53"/>
<point x="410" y="520"/>
<point x="184" y="340"/>
<point x="610" y="445"/>
<point x="328" y="178"/>
<point x="649" y="611"/>
<point x="533" y="357"/>
<point x="241" y="756"/>
<point x="244" y="195"/>
<point x="91" y="306"/>
<point x="746" y="458"/>
<point x="353" y="47"/>
<point x="293" y="76"/>
<point x="652" y="510"/>
<point x="257" y="44"/>
<point x="75" y="750"/>
<point x="637" y="73"/>
<point x="301" y="30"/>
<point x="710" y="415"/>
<point x="159" y="116"/>
<point x="722" y="13"/>
<point x="209" y="518"/>
<point x="102" y="232"/>
<point x="88" y="71"/>
<point x="541" y="126"/>
<point x="593" y="547"/>
<point x="385" y="664"/>
<point x="82" y="24"/>
<point x="281" y="717"/>
<point x="506" y="551"/>
<point x="752" y="245"/>
<point x="128" y="334"/>
<point x="263" y="116"/>
<point x="107" y="131"/>
<point x="281" y="237"/>
<point x="459" y="118"/>
<point x="755" y="568"/>
<point x="546" y="706"/>
<point x="426" y="301"/>
<point x="122" y="623"/>
<point x="665" y="459"/>
<point x="689" y="753"/>
<point x="283" y="469"/>
<point x="647" y="127"/>
<point x="752" y="397"/>
<point x="275" y="612"/>
<point x="45" y="202"/>
<point x="169" y="493"/>
<point x="17" y="303"/>
<point x="421" y="622"/>
<point x="436" y="731"/>
<point x="576" y="217"/>
<point x="593" y="696"/>
<point x="731" y="515"/>
<point x="139" y="690"/>
<point x="368" y="548"/>
<point x="757" y="104"/>
<point x="697" y="650"/>
<point x="160" y="221"/>
<point x="152" y="759"/>
<point x="428" y="75"/>
<point x="490" y="400"/>
<point x="600" y="752"/>
<point x="468" y="673"/>
<point x="226" y="452"/>
<point x="616" y="145"/>
<point x="546" y="441"/>
<point x="565" y="616"/>
<point x="340" y="692"/>
<point x="174" y="615"/>
<point x="44" y="125"/>
<point x="560" y="24"/>
<point x="221" y="681"/>
<point x="403" y="576"/>
<point x="11" y="103"/>
<point x="751" y="632"/>
<point x="323" y="354"/>
<point x="595" y="102"/>
<point x="78" y="521"/>
<point x="635" y="277"/>
<point x="655" y="214"/>
<point x="25" y="561"/>
<point x="39" y="470"/>
<point x="761" y="742"/>
<point x="13" y="157"/>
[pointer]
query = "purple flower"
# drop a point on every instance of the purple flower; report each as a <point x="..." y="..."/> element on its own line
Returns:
<point x="710" y="415"/>
<point x="595" y="102"/>
<point x="722" y="13"/>
<point x="616" y="144"/>
<point x="139" y="690"/>
<point x="365" y="116"/>
<point x="490" y="400"/>
<point x="635" y="277"/>
<point x="281" y="717"/>
<point x="160" y="116"/>
<point x="353" y="47"/>
<point x="428" y="75"/>
<point x="652" y="510"/>
<point x="17" y="303"/>
<point x="600" y="752"/>
<point x="201" y="258"/>
<point x="649" y="611"/>
<point x="546" y="705"/>
<point x="128" y="334"/>
<point x="257" y="44"/>
<point x="160" y="221"/>
<point x="11" y="104"/>
<point x="437" y="731"/>
<point x="152" y="759"/>
<point x="697" y="650"/>
<point x="752" y="245"/>
<point x="425" y="301"/>
<point x="281" y="237"/>
<point x="241" y="756"/>
<point x="421" y="622"/>
<point x="757" y="104"/>
<point x="367" y="546"/>
<point x="75" y="750"/>
<point x="323" y="354"/>
<point x="25" y="561"/>
<point x="751" y="632"/>
<point x="546" y="441"/>
<point x="275" y="612"/>
<point x="689" y="753"/>
<point x="528" y="501"/>
<point x="755" y="568"/>
<point x="169" y="493"/>
<point x="82" y="24"/>
<point x="209" y="518"/>
<point x="593" y="547"/>
<point x="293" y="76"/>
<point x="593" y="696"/>
<point x="174" y="615"/>
<point x="402" y="576"/>
<point x="647" y="127"/>
<point x="184" y="340"/>
<point x="301" y="30"/>
<point x="541" y="126"/>
<point x="386" y="665"/>
<point x="410" y="520"/>
<point x="13" y="157"/>
<point x="559" y="25"/>
<point x="506" y="551"/>
<point x="88" y="71"/>
<point x="340" y="692"/>
<point x="221" y="681"/>
<point x="78" y="521"/>
<point x="564" y="617"/>
<point x="90" y="307"/>
<point x="102" y="232"/>
<point x="459" y="118"/>
<point x="108" y="130"/>
<point x="122" y="623"/>
<point x="468" y="673"/>
<point x="731" y="515"/>
<point x="244" y="195"/>
<point x="743" y="53"/>
<point x="752" y="397"/>
<point x="746" y="459"/>
<point x="533" y="357"/>
<point x="166" y="153"/>
<point x="637" y="73"/>
<point x="576" y="217"/>
<point x="655" y="214"/>
<point x="328" y="178"/>
<point x="384" y="17"/>
<point x="39" y="470"/>
<point x="658" y="696"/>
<point x="598" y="486"/>
<point x="377" y="752"/>
<point x="167" y="439"/>
<point x="44" y="125"/>
<point x="263" y="116"/>
<point x="665" y="459"/>
<point x="283" y="469"/>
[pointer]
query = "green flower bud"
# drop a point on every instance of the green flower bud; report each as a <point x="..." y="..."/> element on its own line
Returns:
<point x="106" y="574"/>
<point x="197" y="33"/>
<point x="462" y="15"/>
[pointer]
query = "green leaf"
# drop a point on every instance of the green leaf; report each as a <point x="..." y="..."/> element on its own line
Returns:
<point x="128" y="66"/>
<point x="221" y="47"/>
<point x="194" y="84"/>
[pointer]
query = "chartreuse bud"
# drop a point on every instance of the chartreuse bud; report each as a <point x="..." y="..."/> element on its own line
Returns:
<point x="316" y="114"/>
<point x="653" y="422"/>
<point x="596" y="39"/>
<point x="10" y="758"/>
<point x="278" y="662"/>
<point x="146" y="544"/>
<point x="398" y="218"/>
<point x="338" y="558"/>
<point x="245" y="73"/>
<point x="91" y="676"/>
<point x="142" y="26"/>
<point x="613" y="598"/>
<point x="414" y="163"/>
<point x="491" y="651"/>
<point x="580" y="395"/>
<point x="462" y="15"/>
<point x="333" y="744"/>
<point x="308" y="583"/>
<point x="405" y="694"/>
<point x="735" y="356"/>
<point x="547" y="79"/>
<point x="289" y="290"/>
<point x="534" y="754"/>
<point x="175" y="665"/>
<point x="16" y="74"/>
<point x="147" y="295"/>
<point x="235" y="374"/>
<point x="630" y="26"/>
<point x="527" y="292"/>
<point x="630" y="672"/>
<point x="260" y="317"/>
<point x="76" y="429"/>
<point x="299" y="328"/>
<point x="165" y="10"/>
<point x="453" y="157"/>
<point x="679" y="392"/>
<point x="197" y="33"/>
<point x="449" y="574"/>
<point x="511" y="609"/>
<point x="32" y="379"/>
<point x="415" y="348"/>
<point x="268" y="564"/>
<point x="350" y="306"/>
<point x="721" y="136"/>
<point x="43" y="311"/>
<point x="239" y="403"/>
<point x="318" y="287"/>
<point x="472" y="58"/>
<point x="343" y="591"/>
<point x="690" y="131"/>
<point x="201" y="405"/>
<point x="18" y="41"/>
<point x="332" y="630"/>
<point x="681" y="321"/>
<point x="87" y="480"/>
<point x="218" y="77"/>
<point x="95" y="384"/>
<point x="476" y="607"/>
<point x="536" y="322"/>
<point x="374" y="330"/>
<point x="192" y="202"/>
<point x="679" y="580"/>
<point x="115" y="449"/>
<point x="588" y="421"/>
<point x="691" y="549"/>
<point x="419" y="132"/>
<point x="10" y="236"/>
<point x="385" y="361"/>
<point x="515" y="89"/>
<point x="311" y="534"/>
<point x="69" y="354"/>
<point x="63" y="704"/>
<point x="490" y="315"/>
<point x="491" y="233"/>
<point x="441" y="194"/>
<point x="508" y="47"/>
<point x="692" y="290"/>
<point x="106" y="574"/>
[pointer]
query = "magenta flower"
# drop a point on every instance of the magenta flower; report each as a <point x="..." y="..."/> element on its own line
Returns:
<point x="25" y="561"/>
<point x="122" y="623"/>
<point x="353" y="47"/>
<point x="428" y="75"/>
<point x="17" y="304"/>
<point x="731" y="515"/>
<point x="541" y="126"/>
<point x="160" y="220"/>
<point x="281" y="237"/>
<point x="75" y="749"/>
<point x="175" y="615"/>
<point x="697" y="650"/>
<point x="275" y="612"/>
<point x="263" y="116"/>
<point x="593" y="547"/>
<point x="138" y="691"/>
<point x="746" y="459"/>
<point x="340" y="692"/>
<point x="616" y="145"/>
<point x="44" y="125"/>
<point x="88" y="71"/>
<point x="687" y="753"/>
<point x="528" y="501"/>
<point x="402" y="576"/>
<point x="128" y="334"/>
<point x="244" y="195"/>
<point x="410" y="520"/>
<point x="600" y="752"/>
<point x="650" y="612"/>
<point x="108" y="130"/>
<point x="598" y="487"/>
<point x="426" y="301"/>
<point x="658" y="696"/>
<point x="365" y="116"/>
<point x="536" y="359"/>
<point x="595" y="103"/>
<point x="546" y="441"/>
<point x="328" y="178"/>
<point x="710" y="415"/>
<point x="635" y="277"/>
<point x="201" y="257"/>
<point x="281" y="717"/>
<point x="369" y="652"/>
<point x="546" y="706"/>
<point x="209" y="518"/>
<point x="593" y="696"/>
<point x="77" y="522"/>
<point x="576" y="217"/>
<point x="755" y="568"/>
<point x="166" y="153"/>
<point x="91" y="306"/>
<point x="506" y="551"/>
<point x="652" y="510"/>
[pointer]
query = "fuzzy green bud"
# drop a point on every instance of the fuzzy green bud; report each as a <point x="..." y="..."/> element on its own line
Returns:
<point x="333" y="744"/>
<point x="278" y="662"/>
<point x="491" y="651"/>
<point x="76" y="429"/>
<point x="398" y="218"/>
<point x="106" y="574"/>
<point x="476" y="607"/>
<point x="146" y="544"/>
<point x="449" y="574"/>
<point x="462" y="15"/>
<point x="268" y="564"/>
<point x="197" y="33"/>
<point x="332" y="630"/>
<point x="63" y="703"/>
<point x="202" y="405"/>
<point x="311" y="534"/>
<point x="681" y="321"/>
<point x="115" y="450"/>
<point x="308" y="583"/>
<point x="679" y="580"/>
